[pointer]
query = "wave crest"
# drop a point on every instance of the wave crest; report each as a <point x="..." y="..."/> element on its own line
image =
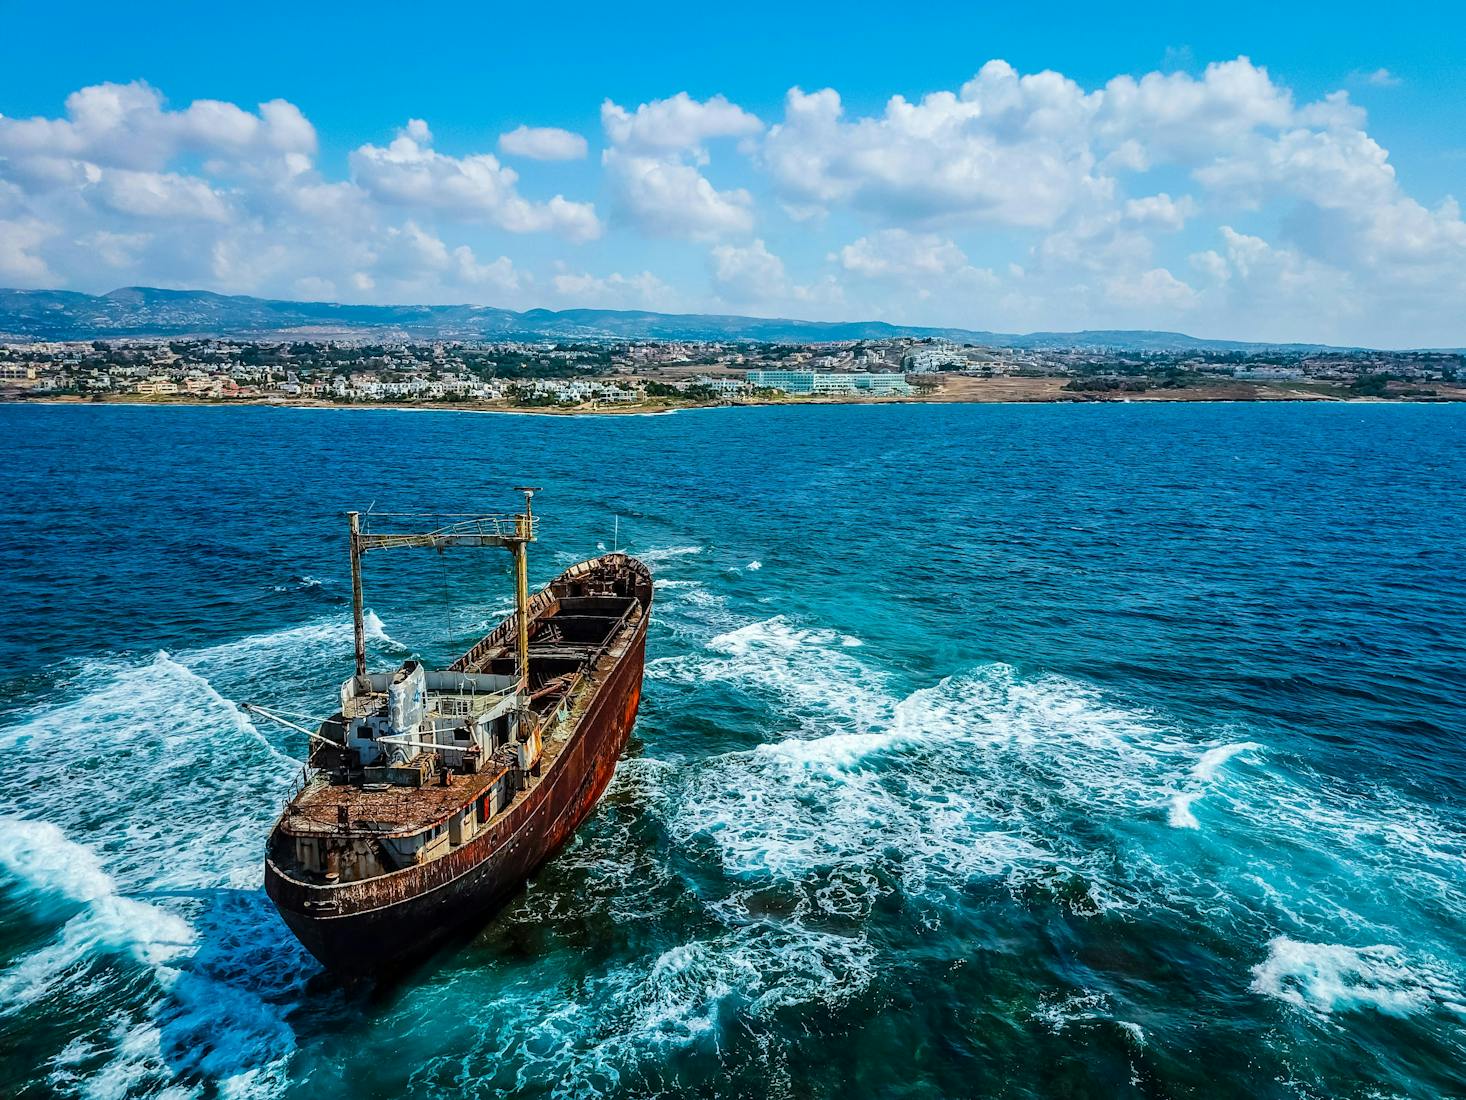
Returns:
<point x="1327" y="978"/>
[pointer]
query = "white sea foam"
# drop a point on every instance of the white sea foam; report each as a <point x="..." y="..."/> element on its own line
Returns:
<point x="1203" y="773"/>
<point x="944" y="781"/>
<point x="706" y="610"/>
<point x="157" y="766"/>
<point x="1211" y="760"/>
<point x="582" y="1043"/>
<point x="241" y="1057"/>
<point x="39" y="856"/>
<point x="190" y="681"/>
<point x="690" y="612"/>
<point x="754" y="566"/>
<point x="584" y="1037"/>
<point x="1181" y="816"/>
<point x="1328" y="978"/>
<point x="811" y="670"/>
<point x="299" y="584"/>
<point x="1037" y="782"/>
<point x="1057" y="1013"/>
<point x="274" y="656"/>
<point x="660" y="555"/>
<point x="210" y="969"/>
<point x="159" y="790"/>
<point x="986" y="776"/>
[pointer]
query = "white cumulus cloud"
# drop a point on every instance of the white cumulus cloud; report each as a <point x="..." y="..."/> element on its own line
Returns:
<point x="654" y="167"/>
<point x="19" y="263"/>
<point x="409" y="172"/>
<point x="748" y="273"/>
<point x="667" y="197"/>
<point x="542" y="143"/>
<point x="898" y="252"/>
<point x="1006" y="149"/>
<point x="676" y="123"/>
<point x="1150" y="290"/>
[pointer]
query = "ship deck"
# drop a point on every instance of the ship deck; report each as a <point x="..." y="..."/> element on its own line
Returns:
<point x="385" y="811"/>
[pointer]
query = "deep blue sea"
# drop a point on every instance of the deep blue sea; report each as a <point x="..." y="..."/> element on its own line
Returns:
<point x="1023" y="751"/>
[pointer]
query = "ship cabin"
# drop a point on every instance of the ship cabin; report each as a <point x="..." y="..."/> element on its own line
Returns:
<point x="389" y="719"/>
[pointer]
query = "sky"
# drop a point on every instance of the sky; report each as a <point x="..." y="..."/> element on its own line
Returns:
<point x="1274" y="172"/>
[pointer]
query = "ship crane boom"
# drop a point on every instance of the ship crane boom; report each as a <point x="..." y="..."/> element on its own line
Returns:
<point x="255" y="708"/>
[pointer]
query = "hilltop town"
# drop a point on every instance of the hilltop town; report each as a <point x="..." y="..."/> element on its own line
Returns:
<point x="606" y="375"/>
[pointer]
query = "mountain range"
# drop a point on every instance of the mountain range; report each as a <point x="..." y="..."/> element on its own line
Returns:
<point x="148" y="311"/>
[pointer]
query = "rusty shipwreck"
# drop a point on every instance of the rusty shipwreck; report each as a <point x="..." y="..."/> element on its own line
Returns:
<point x="431" y="795"/>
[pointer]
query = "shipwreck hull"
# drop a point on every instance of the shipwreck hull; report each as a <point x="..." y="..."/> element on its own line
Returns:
<point x="380" y="923"/>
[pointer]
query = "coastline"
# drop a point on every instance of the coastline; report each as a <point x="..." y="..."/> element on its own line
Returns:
<point x="956" y="391"/>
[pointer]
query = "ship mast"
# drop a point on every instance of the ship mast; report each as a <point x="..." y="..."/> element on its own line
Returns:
<point x="358" y="621"/>
<point x="513" y="533"/>
<point x="525" y="526"/>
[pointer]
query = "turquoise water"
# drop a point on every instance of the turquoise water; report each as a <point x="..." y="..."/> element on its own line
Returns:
<point x="985" y="750"/>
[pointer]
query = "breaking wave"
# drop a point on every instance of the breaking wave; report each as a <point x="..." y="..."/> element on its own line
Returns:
<point x="949" y="770"/>
<point x="1041" y="787"/>
<point x="141" y="855"/>
<point x="989" y="778"/>
<point x="206" y="1007"/>
<point x="1328" y="978"/>
<point x="108" y="925"/>
<point x="1181" y="815"/>
<point x="37" y="854"/>
<point x="810" y="670"/>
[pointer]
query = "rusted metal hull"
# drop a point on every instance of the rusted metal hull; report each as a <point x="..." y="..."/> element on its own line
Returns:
<point x="380" y="923"/>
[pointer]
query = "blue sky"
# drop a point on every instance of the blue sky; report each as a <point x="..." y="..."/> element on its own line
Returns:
<point x="1277" y="172"/>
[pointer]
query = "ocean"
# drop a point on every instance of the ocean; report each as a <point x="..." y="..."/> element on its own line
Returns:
<point x="1024" y="751"/>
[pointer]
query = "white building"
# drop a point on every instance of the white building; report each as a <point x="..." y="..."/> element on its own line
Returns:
<point x="815" y="382"/>
<point x="922" y="358"/>
<point x="1269" y="374"/>
<point x="723" y="387"/>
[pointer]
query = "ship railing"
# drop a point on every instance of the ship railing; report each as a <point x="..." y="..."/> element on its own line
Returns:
<point x="301" y="781"/>
<point x="435" y="525"/>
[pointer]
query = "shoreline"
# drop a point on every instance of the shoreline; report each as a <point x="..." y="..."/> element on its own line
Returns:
<point x="1003" y="393"/>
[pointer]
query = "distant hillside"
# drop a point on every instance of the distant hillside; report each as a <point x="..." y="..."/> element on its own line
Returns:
<point x="146" y="311"/>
